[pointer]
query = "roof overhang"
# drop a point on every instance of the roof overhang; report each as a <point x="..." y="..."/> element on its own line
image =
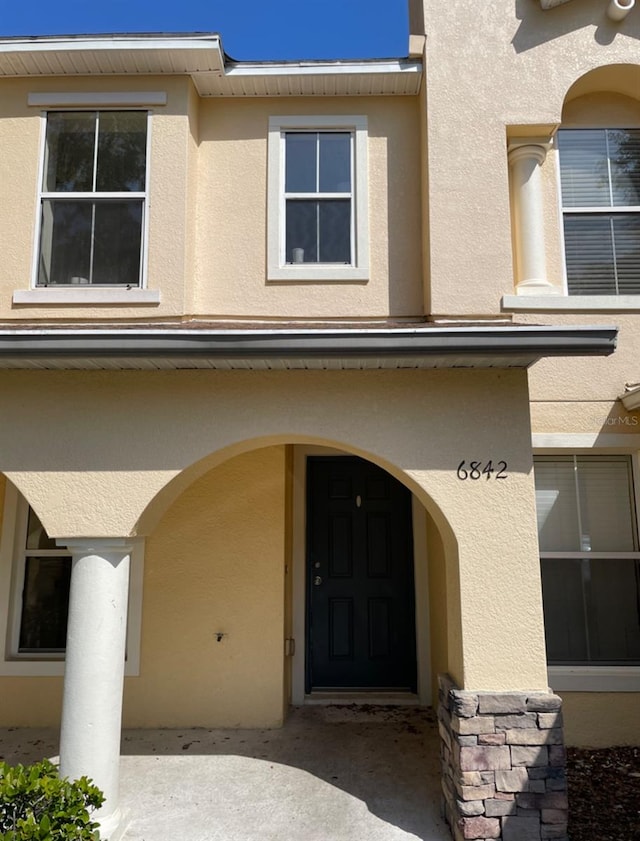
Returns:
<point x="201" y="56"/>
<point x="176" y="347"/>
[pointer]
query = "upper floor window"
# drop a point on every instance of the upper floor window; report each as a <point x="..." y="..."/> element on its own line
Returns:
<point x="93" y="197"/>
<point x="589" y="558"/>
<point x="600" y="181"/>
<point x="318" y="198"/>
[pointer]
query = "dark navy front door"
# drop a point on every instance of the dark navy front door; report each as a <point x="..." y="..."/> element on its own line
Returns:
<point x="361" y="611"/>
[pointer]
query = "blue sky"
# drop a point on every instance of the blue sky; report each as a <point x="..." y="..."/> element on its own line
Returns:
<point x="250" y="29"/>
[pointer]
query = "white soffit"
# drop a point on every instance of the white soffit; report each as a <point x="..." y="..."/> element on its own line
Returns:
<point x="366" y="78"/>
<point x="113" y="55"/>
<point x="201" y="57"/>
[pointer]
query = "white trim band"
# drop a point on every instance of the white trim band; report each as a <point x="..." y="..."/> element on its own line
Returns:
<point x="570" y="303"/>
<point x="66" y="296"/>
<point x="594" y="678"/>
<point x="99" y="99"/>
<point x="585" y="440"/>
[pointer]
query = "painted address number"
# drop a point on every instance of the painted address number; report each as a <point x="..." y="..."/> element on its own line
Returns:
<point x="479" y="469"/>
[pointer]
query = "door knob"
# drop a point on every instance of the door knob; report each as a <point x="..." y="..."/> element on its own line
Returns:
<point x="317" y="580"/>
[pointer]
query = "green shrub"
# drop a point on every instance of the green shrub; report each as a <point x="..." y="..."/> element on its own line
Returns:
<point x="36" y="805"/>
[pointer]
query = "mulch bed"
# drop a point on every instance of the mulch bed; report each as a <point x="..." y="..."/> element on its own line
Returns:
<point x="604" y="794"/>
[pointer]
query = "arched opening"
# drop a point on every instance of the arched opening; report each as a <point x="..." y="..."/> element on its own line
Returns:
<point x="621" y="79"/>
<point x="232" y="611"/>
<point x="598" y="165"/>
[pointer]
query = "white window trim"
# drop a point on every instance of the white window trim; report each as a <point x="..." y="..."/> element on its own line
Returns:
<point x="101" y="294"/>
<point x="11" y="579"/>
<point x="590" y="302"/>
<point x="277" y="270"/>
<point x="592" y="678"/>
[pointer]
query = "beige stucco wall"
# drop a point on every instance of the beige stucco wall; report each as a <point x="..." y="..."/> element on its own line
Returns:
<point x="215" y="562"/>
<point x="208" y="206"/>
<point x="596" y="380"/>
<point x="171" y="194"/>
<point x="232" y="218"/>
<point x="582" y="395"/>
<point x="116" y="438"/>
<point x="439" y="606"/>
<point x="503" y="68"/>
<point x="601" y="719"/>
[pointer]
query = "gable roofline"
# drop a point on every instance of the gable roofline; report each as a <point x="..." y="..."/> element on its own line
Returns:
<point x="202" y="57"/>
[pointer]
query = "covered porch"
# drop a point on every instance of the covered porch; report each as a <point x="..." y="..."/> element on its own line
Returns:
<point x="339" y="772"/>
<point x="200" y="466"/>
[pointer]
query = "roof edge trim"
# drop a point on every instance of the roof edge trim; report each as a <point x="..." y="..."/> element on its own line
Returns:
<point x="131" y="342"/>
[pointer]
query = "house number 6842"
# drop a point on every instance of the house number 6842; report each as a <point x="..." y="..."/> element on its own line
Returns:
<point x="479" y="469"/>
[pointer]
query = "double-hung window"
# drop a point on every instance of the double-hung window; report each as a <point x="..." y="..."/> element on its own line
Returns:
<point x="93" y="199"/>
<point x="318" y="198"/>
<point x="35" y="575"/>
<point x="600" y="184"/>
<point x="44" y="570"/>
<point x="590" y="560"/>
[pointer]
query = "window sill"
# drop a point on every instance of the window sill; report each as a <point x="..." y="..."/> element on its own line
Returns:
<point x="570" y="303"/>
<point x="65" y="296"/>
<point x="49" y="668"/>
<point x="594" y="678"/>
<point x="309" y="273"/>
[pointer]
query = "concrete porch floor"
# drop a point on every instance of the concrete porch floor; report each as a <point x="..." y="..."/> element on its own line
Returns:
<point x="332" y="773"/>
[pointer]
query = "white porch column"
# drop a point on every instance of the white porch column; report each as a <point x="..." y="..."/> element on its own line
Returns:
<point x="525" y="158"/>
<point x="94" y="669"/>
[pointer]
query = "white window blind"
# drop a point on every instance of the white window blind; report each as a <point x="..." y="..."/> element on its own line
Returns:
<point x="600" y="183"/>
<point x="590" y="560"/>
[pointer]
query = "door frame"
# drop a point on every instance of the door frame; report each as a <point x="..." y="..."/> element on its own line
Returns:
<point x="299" y="580"/>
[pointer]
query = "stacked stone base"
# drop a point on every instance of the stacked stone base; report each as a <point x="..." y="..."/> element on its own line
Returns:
<point x="503" y="765"/>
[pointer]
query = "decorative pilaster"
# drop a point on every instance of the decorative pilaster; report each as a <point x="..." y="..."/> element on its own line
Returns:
<point x="525" y="159"/>
<point x="503" y="764"/>
<point x="94" y="670"/>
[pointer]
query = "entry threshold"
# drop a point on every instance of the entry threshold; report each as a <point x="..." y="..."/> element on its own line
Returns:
<point x="361" y="697"/>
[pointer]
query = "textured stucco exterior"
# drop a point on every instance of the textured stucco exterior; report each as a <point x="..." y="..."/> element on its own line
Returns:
<point x="501" y="71"/>
<point x="208" y="175"/>
<point x="512" y="72"/>
<point x="358" y="412"/>
<point x="600" y="719"/>
<point x="200" y="464"/>
<point x="231" y="275"/>
<point x="214" y="563"/>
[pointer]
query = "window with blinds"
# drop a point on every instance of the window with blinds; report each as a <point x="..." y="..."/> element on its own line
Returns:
<point x="589" y="559"/>
<point x="600" y="183"/>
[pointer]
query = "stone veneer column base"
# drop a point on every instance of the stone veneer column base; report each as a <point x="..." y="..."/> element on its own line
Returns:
<point x="503" y="764"/>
